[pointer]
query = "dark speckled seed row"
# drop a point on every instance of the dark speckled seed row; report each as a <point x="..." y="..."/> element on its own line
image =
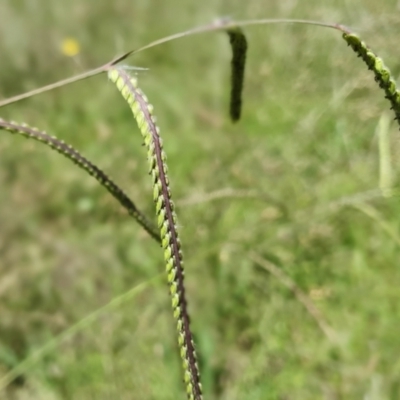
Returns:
<point x="381" y="72"/>
<point x="69" y="152"/>
<point x="238" y="43"/>
<point x="167" y="223"/>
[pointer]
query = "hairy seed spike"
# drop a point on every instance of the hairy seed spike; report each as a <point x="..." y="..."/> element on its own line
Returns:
<point x="82" y="162"/>
<point x="156" y="156"/>
<point x="238" y="43"/>
<point x="381" y="72"/>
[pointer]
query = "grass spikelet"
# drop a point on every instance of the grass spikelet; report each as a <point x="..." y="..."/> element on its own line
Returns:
<point x="238" y="43"/>
<point x="69" y="152"/>
<point x="167" y="222"/>
<point x="381" y="72"/>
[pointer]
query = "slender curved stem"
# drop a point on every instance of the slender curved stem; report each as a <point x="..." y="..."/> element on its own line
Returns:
<point x="224" y="24"/>
<point x="217" y="25"/>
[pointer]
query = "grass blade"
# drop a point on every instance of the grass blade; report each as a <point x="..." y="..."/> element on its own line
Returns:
<point x="69" y="152"/>
<point x="167" y="222"/>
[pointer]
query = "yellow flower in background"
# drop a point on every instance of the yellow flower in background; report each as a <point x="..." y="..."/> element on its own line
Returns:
<point x="70" y="47"/>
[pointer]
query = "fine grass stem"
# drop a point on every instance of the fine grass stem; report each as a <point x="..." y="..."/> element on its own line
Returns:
<point x="385" y="161"/>
<point x="299" y="294"/>
<point x="217" y="25"/>
<point x="374" y="214"/>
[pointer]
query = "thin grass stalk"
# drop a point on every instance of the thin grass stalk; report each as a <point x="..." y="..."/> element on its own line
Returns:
<point x="223" y="24"/>
<point x="216" y="26"/>
<point x="385" y="159"/>
<point x="167" y="222"/>
<point x="82" y="162"/>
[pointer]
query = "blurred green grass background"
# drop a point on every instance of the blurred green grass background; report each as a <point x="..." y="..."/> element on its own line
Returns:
<point x="298" y="181"/>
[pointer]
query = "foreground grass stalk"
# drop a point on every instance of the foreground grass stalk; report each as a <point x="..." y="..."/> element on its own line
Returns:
<point x="82" y="162"/>
<point x="167" y="223"/>
<point x="381" y="72"/>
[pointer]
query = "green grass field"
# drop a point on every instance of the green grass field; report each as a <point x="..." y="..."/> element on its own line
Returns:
<point x="303" y="188"/>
